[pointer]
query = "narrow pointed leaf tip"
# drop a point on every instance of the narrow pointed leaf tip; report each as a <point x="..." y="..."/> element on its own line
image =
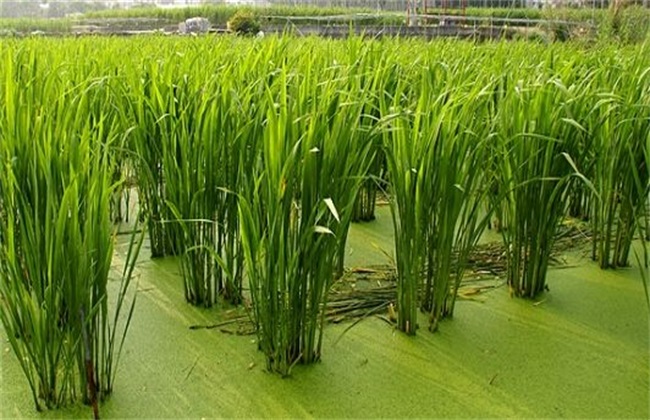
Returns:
<point x="332" y="207"/>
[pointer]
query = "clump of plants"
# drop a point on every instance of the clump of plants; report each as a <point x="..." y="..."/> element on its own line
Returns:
<point x="296" y="213"/>
<point x="620" y="171"/>
<point x="535" y="139"/>
<point x="434" y="156"/>
<point x="57" y="236"/>
<point x="244" y="23"/>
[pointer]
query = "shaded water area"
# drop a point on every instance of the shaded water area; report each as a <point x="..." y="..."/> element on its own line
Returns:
<point x="581" y="350"/>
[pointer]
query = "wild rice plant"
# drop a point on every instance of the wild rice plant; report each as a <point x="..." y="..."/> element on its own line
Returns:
<point x="205" y="159"/>
<point x="378" y="79"/>
<point x="194" y="151"/>
<point x="190" y="178"/>
<point x="456" y="222"/>
<point x="57" y="236"/>
<point x="535" y="132"/>
<point x="364" y="206"/>
<point x="237" y="114"/>
<point x="581" y="197"/>
<point x="151" y="104"/>
<point x="296" y="212"/>
<point x="434" y="155"/>
<point x="366" y="78"/>
<point x="620" y="173"/>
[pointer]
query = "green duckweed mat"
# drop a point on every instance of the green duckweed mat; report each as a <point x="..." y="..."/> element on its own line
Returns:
<point x="581" y="350"/>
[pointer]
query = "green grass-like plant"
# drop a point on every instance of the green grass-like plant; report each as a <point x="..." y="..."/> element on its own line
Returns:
<point x="63" y="321"/>
<point x="296" y="212"/>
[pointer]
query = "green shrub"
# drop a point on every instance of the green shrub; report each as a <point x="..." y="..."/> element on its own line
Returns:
<point x="244" y="23"/>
